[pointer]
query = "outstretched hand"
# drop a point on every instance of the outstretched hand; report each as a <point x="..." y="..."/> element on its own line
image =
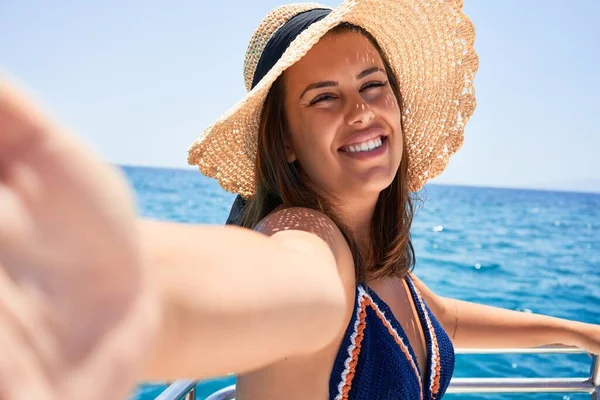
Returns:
<point x="75" y="313"/>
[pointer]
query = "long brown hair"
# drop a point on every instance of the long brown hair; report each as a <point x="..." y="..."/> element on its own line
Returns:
<point x="279" y="182"/>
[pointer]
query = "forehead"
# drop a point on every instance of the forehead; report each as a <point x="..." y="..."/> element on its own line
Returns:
<point x="335" y="54"/>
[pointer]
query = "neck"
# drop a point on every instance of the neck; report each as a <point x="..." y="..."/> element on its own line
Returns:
<point x="357" y="214"/>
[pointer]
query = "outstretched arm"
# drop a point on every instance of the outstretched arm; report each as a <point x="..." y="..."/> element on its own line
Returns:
<point x="233" y="299"/>
<point x="472" y="325"/>
<point x="79" y="286"/>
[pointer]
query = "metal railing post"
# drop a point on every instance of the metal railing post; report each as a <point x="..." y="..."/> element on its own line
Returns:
<point x="179" y="390"/>
<point x="595" y="376"/>
<point x="227" y="393"/>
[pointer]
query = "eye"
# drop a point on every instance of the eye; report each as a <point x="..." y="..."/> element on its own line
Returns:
<point x="373" y="84"/>
<point x="322" y="97"/>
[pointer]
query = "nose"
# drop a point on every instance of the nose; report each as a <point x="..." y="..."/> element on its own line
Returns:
<point x="359" y="112"/>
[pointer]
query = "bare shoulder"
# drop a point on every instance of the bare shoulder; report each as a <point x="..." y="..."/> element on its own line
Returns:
<point x="306" y="220"/>
<point x="427" y="294"/>
<point x="423" y="289"/>
<point x="436" y="303"/>
<point x="301" y="226"/>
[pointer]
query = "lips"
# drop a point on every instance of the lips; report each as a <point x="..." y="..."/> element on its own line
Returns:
<point x="364" y="140"/>
<point x="369" y="145"/>
<point x="370" y="154"/>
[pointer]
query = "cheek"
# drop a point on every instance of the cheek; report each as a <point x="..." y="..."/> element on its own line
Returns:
<point x="384" y="102"/>
<point x="312" y="142"/>
<point x="319" y="130"/>
<point x="387" y="101"/>
<point x="308" y="135"/>
<point x="388" y="108"/>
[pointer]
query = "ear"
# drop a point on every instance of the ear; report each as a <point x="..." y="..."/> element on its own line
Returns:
<point x="290" y="155"/>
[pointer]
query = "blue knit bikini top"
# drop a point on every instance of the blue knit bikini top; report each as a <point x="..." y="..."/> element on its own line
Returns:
<point x="376" y="360"/>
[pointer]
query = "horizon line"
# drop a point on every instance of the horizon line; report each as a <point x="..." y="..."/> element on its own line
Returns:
<point x="450" y="184"/>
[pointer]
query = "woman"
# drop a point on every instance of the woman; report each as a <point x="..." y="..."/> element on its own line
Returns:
<point x="318" y="301"/>
<point x="352" y="110"/>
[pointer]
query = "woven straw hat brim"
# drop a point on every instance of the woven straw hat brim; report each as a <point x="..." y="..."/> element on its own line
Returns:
<point x="429" y="46"/>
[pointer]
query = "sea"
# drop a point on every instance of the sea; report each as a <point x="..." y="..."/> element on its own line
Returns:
<point x="530" y="251"/>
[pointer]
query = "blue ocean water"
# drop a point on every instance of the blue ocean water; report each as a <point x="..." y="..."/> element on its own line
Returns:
<point x="522" y="250"/>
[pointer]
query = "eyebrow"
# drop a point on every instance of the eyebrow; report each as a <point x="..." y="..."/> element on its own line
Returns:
<point x="369" y="72"/>
<point x="319" y="85"/>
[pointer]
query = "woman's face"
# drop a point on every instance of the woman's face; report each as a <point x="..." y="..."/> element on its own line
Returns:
<point x="343" y="118"/>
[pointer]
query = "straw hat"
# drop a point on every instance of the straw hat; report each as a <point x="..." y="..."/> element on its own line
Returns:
<point x="429" y="46"/>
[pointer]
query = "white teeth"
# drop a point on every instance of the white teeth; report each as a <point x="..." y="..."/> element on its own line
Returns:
<point x="369" y="145"/>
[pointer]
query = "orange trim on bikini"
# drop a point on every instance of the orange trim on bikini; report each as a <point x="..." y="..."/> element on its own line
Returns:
<point x="356" y="351"/>
<point x="437" y="372"/>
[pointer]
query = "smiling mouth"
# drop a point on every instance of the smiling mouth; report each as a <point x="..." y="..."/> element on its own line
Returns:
<point x="364" y="147"/>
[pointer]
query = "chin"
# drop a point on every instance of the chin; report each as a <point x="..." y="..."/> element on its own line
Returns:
<point x="374" y="183"/>
<point x="379" y="185"/>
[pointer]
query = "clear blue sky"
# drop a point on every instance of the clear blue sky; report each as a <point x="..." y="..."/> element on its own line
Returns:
<point x="139" y="83"/>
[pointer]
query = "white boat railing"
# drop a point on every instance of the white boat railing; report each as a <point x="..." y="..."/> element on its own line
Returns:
<point x="184" y="389"/>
